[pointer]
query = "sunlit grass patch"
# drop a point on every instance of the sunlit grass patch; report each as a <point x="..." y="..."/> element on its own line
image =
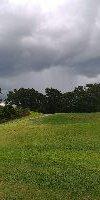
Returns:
<point x="57" y="119"/>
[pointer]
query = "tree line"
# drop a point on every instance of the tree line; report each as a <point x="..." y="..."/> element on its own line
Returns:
<point x="81" y="99"/>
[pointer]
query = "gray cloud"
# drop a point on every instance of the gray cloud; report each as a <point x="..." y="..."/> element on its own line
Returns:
<point x="35" y="40"/>
<point x="56" y="77"/>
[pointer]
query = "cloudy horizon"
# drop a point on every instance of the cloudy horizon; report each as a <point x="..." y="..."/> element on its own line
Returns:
<point x="49" y="43"/>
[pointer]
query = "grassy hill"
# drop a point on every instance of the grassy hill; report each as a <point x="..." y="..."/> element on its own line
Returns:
<point x="55" y="157"/>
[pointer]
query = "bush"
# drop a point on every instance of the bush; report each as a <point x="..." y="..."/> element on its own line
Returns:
<point x="10" y="113"/>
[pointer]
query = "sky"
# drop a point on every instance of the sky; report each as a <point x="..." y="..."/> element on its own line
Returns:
<point x="49" y="43"/>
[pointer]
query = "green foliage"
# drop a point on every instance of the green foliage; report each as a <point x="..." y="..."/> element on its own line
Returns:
<point x="81" y="99"/>
<point x="43" y="157"/>
<point x="9" y="113"/>
<point x="26" y="98"/>
<point x="53" y="100"/>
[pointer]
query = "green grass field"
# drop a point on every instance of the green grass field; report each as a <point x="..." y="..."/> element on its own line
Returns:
<point x="54" y="157"/>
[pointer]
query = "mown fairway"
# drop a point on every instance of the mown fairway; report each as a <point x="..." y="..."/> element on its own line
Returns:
<point x="54" y="157"/>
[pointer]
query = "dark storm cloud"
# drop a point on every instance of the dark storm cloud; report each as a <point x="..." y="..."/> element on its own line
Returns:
<point x="33" y="40"/>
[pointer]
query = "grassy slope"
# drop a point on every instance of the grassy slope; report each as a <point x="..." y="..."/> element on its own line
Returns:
<point x="54" y="157"/>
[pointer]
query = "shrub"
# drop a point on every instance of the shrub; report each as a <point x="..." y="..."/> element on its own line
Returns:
<point x="10" y="113"/>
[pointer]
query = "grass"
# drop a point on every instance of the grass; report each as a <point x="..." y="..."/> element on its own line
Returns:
<point x="54" y="157"/>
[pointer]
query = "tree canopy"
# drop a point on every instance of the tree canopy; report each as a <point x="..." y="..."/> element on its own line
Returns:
<point x="81" y="99"/>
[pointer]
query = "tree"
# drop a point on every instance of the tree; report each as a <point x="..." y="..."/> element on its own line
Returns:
<point x="54" y="100"/>
<point x="26" y="98"/>
<point x="0" y="95"/>
<point x="81" y="99"/>
<point x="93" y="94"/>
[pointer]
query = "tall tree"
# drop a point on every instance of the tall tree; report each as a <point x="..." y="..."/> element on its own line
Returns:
<point x="26" y="98"/>
<point x="54" y="100"/>
<point x="81" y="99"/>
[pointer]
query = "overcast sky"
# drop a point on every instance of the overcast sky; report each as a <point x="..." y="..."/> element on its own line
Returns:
<point x="46" y="43"/>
